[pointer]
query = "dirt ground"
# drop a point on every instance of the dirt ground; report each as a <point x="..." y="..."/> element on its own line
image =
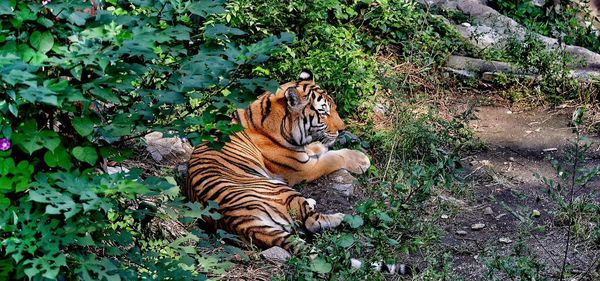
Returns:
<point x="502" y="189"/>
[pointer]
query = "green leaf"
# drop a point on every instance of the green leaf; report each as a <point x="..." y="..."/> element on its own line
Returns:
<point x="13" y="109"/>
<point x="38" y="58"/>
<point x="94" y="269"/>
<point x="204" y="8"/>
<point x="76" y="72"/>
<point x="45" y="22"/>
<point x="78" y="18"/>
<point x="57" y="202"/>
<point x="6" y="7"/>
<point x="320" y="265"/>
<point x="35" y="94"/>
<point x="83" y="125"/>
<point x="50" y="139"/>
<point x="48" y="265"/>
<point x="58" y="158"/>
<point x="28" y="137"/>
<point x="345" y="241"/>
<point x="85" y="154"/>
<point x="35" y="38"/>
<point x="354" y="221"/>
<point x="46" y="42"/>
<point x="25" y="52"/>
<point x="219" y="30"/>
<point x="18" y="76"/>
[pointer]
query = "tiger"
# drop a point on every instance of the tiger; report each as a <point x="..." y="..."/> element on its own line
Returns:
<point x="285" y="141"/>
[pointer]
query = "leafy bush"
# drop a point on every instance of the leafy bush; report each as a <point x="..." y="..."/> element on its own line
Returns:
<point x="79" y="80"/>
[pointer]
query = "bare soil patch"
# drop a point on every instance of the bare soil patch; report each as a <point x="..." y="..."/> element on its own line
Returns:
<point x="502" y="190"/>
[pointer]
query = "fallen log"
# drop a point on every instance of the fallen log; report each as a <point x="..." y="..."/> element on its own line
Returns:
<point x="489" y="70"/>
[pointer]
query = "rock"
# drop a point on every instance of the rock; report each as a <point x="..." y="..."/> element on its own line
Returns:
<point x="356" y="264"/>
<point x="536" y="213"/>
<point x="452" y="200"/>
<point x="461" y="232"/>
<point x="477" y="226"/>
<point x="500" y="216"/>
<point x="162" y="149"/>
<point x="346" y="189"/>
<point x="511" y="159"/>
<point x="342" y="181"/>
<point x="488" y="211"/>
<point x="276" y="254"/>
<point x="116" y="169"/>
<point x="505" y="240"/>
<point x="380" y="109"/>
<point x="489" y="28"/>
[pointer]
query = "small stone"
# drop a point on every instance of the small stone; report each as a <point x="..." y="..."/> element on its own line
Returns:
<point x="276" y="254"/>
<point x="500" y="216"/>
<point x="511" y="159"/>
<point x="346" y="189"/>
<point x="477" y="226"/>
<point x="488" y="211"/>
<point x="536" y="213"/>
<point x="466" y="24"/>
<point x="505" y="240"/>
<point x="116" y="169"/>
<point x="161" y="148"/>
<point x="343" y="182"/>
<point x="461" y="232"/>
<point x="444" y="216"/>
<point x="508" y="112"/>
<point x="356" y="264"/>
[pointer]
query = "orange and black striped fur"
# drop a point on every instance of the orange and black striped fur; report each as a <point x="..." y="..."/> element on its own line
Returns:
<point x="284" y="142"/>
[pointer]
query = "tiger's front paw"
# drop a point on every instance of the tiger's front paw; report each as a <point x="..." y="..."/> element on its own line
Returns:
<point x="356" y="161"/>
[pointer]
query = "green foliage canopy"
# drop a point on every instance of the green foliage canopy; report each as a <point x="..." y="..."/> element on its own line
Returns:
<point x="79" y="79"/>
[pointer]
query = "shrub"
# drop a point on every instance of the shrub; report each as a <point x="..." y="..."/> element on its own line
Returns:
<point x="79" y="80"/>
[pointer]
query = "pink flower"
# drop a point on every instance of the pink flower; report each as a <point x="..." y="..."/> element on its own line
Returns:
<point x="45" y="2"/>
<point x="4" y="144"/>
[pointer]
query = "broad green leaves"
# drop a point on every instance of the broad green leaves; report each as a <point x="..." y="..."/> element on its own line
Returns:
<point x="320" y="265"/>
<point x="46" y="266"/>
<point x="354" y="221"/>
<point x="83" y="125"/>
<point x="85" y="154"/>
<point x="42" y="42"/>
<point x="31" y="139"/>
<point x="77" y="78"/>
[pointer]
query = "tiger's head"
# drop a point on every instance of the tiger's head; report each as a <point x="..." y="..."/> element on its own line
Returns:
<point x="310" y="113"/>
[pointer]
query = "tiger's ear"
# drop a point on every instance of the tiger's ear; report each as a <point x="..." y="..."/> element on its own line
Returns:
<point x="306" y="75"/>
<point x="292" y="97"/>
